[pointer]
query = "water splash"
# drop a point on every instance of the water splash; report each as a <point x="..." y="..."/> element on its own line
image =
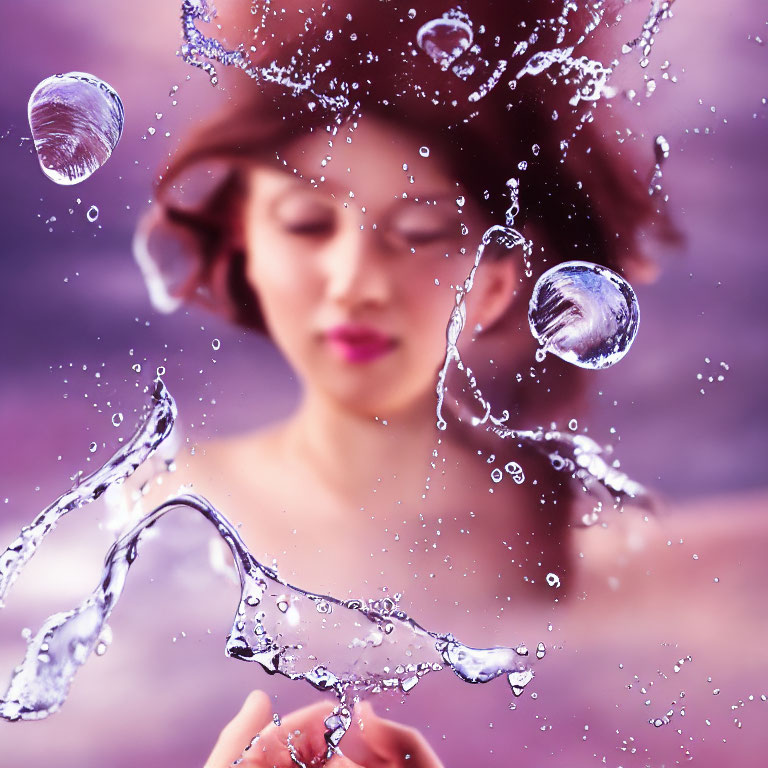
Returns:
<point x="659" y="12"/>
<point x="449" y="42"/>
<point x="351" y="648"/>
<point x="590" y="75"/>
<point x="76" y="121"/>
<point x="156" y="427"/>
<point x="578" y="455"/>
<point x="200" y="51"/>
<point x="584" y="313"/>
<point x="446" y="38"/>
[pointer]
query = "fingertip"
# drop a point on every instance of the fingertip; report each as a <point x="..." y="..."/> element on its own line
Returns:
<point x="256" y="700"/>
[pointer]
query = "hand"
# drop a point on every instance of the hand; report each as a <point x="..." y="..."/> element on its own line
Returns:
<point x="300" y="739"/>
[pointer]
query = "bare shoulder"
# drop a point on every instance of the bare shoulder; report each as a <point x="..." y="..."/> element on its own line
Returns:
<point x="696" y="568"/>
<point x="709" y="528"/>
<point x="226" y="471"/>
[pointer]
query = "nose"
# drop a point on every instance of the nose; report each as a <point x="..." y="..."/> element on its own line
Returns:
<point x="357" y="268"/>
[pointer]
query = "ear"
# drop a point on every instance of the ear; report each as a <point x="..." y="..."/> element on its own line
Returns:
<point x="496" y="288"/>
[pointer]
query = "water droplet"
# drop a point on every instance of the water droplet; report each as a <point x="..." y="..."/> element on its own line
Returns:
<point x="584" y="313"/>
<point x="516" y="471"/>
<point x="424" y="151"/>
<point x="553" y="580"/>
<point x="323" y="606"/>
<point x="444" y="40"/>
<point x="541" y="651"/>
<point x="412" y="13"/>
<point x="92" y="447"/>
<point x="92" y="214"/>
<point x="117" y="419"/>
<point x="518" y="680"/>
<point x="76" y="121"/>
<point x="660" y="149"/>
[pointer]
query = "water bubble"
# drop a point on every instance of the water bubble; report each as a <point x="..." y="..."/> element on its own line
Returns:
<point x="584" y="313"/>
<point x="92" y="214"/>
<point x="92" y="447"/>
<point x="424" y="151"/>
<point x="76" y="121"/>
<point x="444" y="40"/>
<point x="541" y="651"/>
<point x="216" y="344"/>
<point x="117" y="419"/>
<point x="496" y="475"/>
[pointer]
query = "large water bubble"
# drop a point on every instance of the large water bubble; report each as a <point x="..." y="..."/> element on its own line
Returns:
<point x="584" y="313"/>
<point x="76" y="121"/>
<point x="444" y="40"/>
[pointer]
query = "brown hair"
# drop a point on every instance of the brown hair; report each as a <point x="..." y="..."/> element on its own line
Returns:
<point x="582" y="194"/>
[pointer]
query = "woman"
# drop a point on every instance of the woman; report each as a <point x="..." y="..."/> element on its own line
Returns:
<point x="343" y="236"/>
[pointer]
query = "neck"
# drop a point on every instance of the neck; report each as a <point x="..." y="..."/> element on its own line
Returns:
<point x="355" y="455"/>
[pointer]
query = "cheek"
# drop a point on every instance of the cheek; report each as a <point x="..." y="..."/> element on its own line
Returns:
<point x="283" y="288"/>
<point x="430" y="295"/>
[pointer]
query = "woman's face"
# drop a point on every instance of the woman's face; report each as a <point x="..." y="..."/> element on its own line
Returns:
<point x="355" y="259"/>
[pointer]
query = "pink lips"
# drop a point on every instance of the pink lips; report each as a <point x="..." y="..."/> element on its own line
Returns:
<point x="359" y="343"/>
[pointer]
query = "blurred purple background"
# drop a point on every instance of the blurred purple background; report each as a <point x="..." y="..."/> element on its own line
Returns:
<point x="76" y="317"/>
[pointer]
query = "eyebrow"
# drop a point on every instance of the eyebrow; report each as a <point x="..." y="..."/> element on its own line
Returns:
<point x="296" y="182"/>
<point x="431" y="199"/>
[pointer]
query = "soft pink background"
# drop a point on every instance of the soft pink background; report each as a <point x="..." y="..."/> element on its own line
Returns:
<point x="72" y="305"/>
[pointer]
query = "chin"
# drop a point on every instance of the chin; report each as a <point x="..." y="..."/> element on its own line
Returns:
<point x="383" y="403"/>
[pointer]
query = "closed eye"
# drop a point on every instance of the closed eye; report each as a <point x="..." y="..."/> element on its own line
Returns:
<point x="305" y="214"/>
<point x="419" y="224"/>
<point x="426" y="236"/>
<point x="310" y="227"/>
